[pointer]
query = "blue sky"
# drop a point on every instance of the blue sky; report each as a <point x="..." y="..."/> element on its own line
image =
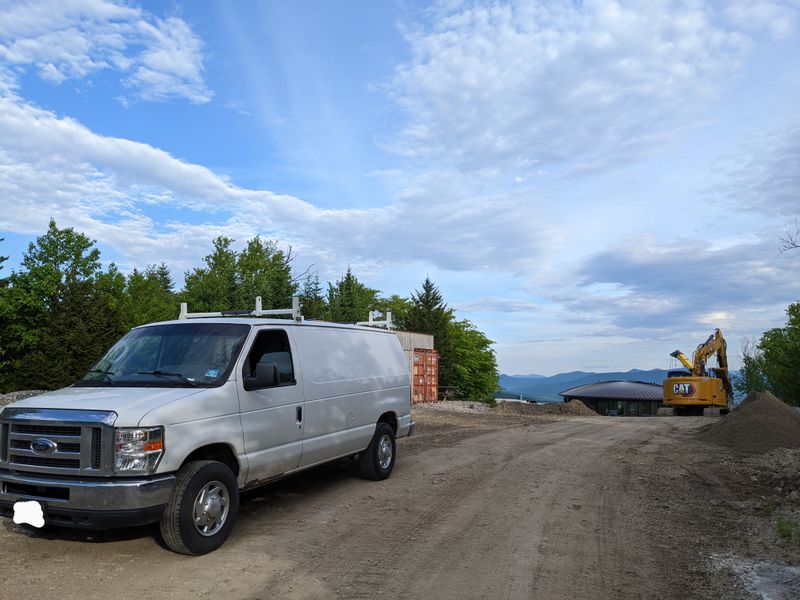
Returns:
<point x="592" y="184"/>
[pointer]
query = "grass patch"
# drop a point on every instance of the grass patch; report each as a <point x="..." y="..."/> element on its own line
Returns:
<point x="788" y="529"/>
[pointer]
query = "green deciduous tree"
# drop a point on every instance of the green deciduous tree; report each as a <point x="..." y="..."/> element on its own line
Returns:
<point x="213" y="287"/>
<point x="264" y="270"/>
<point x="471" y="367"/>
<point x="398" y="306"/>
<point x="780" y="357"/>
<point x="231" y="280"/>
<point x="59" y="313"/>
<point x="773" y="363"/>
<point x="349" y="300"/>
<point x="750" y="377"/>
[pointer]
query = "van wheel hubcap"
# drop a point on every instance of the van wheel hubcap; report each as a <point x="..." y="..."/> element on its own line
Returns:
<point x="385" y="452"/>
<point x="211" y="508"/>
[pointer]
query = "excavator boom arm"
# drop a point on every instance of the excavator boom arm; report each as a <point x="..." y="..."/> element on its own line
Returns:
<point x="682" y="357"/>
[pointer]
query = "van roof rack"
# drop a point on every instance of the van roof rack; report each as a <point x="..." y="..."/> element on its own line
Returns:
<point x="293" y="312"/>
<point x="387" y="322"/>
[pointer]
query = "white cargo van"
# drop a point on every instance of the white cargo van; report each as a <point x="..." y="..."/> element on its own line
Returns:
<point x="179" y="416"/>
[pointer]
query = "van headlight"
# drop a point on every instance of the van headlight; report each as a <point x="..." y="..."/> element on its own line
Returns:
<point x="137" y="450"/>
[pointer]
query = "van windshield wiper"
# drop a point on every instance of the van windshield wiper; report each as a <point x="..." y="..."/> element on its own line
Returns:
<point x="180" y="376"/>
<point x="107" y="374"/>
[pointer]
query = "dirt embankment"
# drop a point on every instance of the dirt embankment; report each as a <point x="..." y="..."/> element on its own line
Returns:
<point x="573" y="408"/>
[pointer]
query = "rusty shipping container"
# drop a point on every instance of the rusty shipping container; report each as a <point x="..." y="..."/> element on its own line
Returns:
<point x="425" y="376"/>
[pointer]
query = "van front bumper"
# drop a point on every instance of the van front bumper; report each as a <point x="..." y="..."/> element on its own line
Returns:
<point x="89" y="502"/>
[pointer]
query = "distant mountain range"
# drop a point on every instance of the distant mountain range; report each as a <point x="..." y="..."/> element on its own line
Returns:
<point x="546" y="389"/>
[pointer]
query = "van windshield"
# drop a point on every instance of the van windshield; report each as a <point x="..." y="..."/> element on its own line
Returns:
<point x="174" y="355"/>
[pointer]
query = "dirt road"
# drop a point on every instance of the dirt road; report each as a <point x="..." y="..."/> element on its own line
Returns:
<point x="476" y="508"/>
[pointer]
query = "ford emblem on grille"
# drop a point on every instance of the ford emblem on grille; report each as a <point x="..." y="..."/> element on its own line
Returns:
<point x="43" y="446"/>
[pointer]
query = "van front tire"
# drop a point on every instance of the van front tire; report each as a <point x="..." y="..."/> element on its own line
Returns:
<point x="377" y="461"/>
<point x="202" y="508"/>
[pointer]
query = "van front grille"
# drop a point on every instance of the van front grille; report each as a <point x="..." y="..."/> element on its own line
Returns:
<point x="46" y="430"/>
<point x="62" y="448"/>
<point x="39" y="461"/>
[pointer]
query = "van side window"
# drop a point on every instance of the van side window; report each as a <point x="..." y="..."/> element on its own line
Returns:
<point x="271" y="347"/>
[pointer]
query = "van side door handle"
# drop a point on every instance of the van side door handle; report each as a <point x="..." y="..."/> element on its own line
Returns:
<point x="299" y="415"/>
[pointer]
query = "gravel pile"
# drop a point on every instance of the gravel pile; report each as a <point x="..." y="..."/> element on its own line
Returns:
<point x="574" y="408"/>
<point x="759" y="424"/>
<point x="461" y="406"/>
<point x="21" y="395"/>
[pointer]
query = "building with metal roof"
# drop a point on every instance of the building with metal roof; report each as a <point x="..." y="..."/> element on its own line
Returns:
<point x="618" y="398"/>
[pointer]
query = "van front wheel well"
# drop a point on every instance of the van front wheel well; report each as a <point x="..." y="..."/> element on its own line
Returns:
<point x="218" y="452"/>
<point x="390" y="419"/>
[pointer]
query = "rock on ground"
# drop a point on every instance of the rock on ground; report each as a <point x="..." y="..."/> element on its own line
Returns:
<point x="21" y="395"/>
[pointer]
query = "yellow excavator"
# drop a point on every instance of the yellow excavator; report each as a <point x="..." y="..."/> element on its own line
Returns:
<point x="699" y="391"/>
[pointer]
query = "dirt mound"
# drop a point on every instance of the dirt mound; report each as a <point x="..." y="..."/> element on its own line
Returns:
<point x="759" y="424"/>
<point x="573" y="407"/>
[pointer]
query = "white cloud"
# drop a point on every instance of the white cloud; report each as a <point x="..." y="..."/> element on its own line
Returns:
<point x="520" y="84"/>
<point x="779" y="18"/>
<point x="498" y="304"/>
<point x="74" y="38"/>
<point x="765" y="177"/>
<point x="648" y="286"/>
<point x="106" y="186"/>
<point x="501" y="101"/>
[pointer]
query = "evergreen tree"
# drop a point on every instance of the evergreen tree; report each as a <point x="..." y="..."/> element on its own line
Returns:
<point x="349" y="300"/>
<point x="467" y="364"/>
<point x="2" y="258"/>
<point x="429" y="314"/>
<point x="79" y="330"/>
<point x="149" y="296"/>
<point x="314" y="306"/>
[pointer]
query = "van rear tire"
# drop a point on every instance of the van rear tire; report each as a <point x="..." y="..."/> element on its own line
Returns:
<point x="202" y="508"/>
<point x="377" y="461"/>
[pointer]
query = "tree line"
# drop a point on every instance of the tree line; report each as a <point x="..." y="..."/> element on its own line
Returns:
<point x="63" y="309"/>
<point x="773" y="362"/>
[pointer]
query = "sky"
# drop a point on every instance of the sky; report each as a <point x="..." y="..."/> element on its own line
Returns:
<point x="592" y="184"/>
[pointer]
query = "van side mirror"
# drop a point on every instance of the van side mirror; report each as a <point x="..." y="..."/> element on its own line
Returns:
<point x="266" y="375"/>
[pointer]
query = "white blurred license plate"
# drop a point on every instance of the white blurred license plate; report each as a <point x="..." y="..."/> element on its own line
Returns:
<point x="29" y="512"/>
